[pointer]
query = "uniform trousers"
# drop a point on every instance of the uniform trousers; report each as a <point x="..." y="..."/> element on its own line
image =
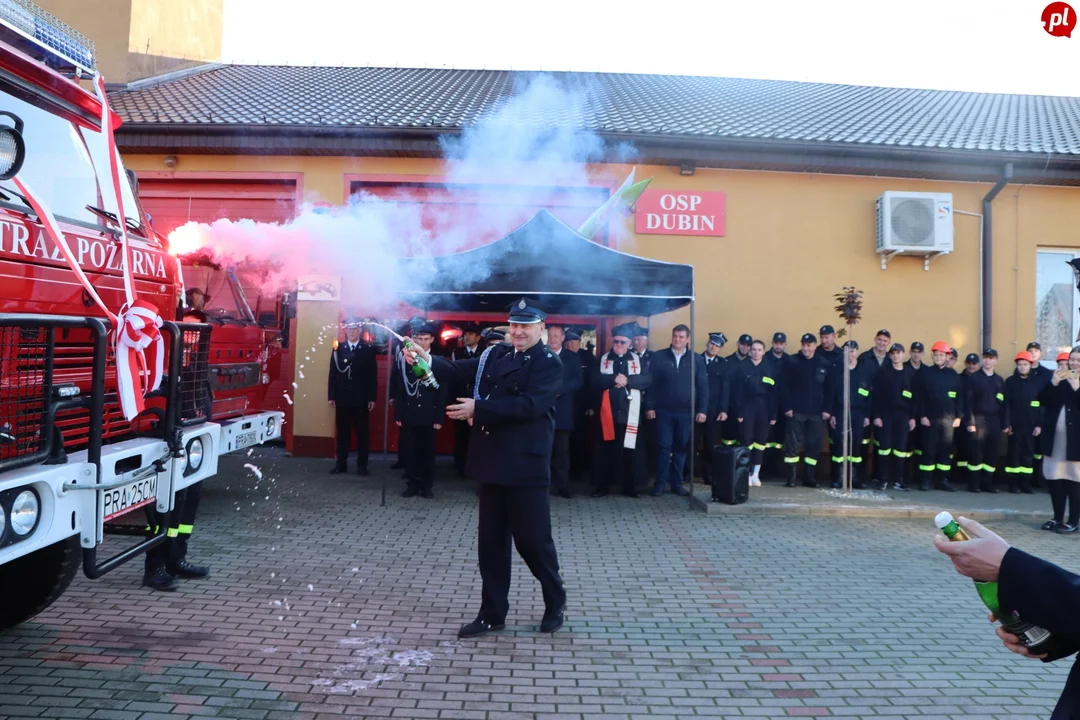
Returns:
<point x="858" y="434"/>
<point x="984" y="447"/>
<point x="613" y="463"/>
<point x="802" y="432"/>
<point x="962" y="449"/>
<point x="181" y="524"/>
<point x="346" y="419"/>
<point x="461" y="445"/>
<point x="419" y="455"/>
<point x="755" y="429"/>
<point x="731" y="431"/>
<point x="892" y="452"/>
<point x="521" y="514"/>
<point x="938" y="446"/>
<point x="560" y="460"/>
<point x="1020" y="458"/>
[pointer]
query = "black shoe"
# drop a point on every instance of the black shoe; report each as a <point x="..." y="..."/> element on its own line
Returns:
<point x="338" y="470"/>
<point x="809" y="484"/>
<point x="565" y="494"/>
<point x="990" y="489"/>
<point x="789" y="483"/>
<point x="882" y="486"/>
<point x="1027" y="491"/>
<point x="427" y="495"/>
<point x="1065" y="529"/>
<point x="946" y="486"/>
<point x="184" y="569"/>
<point x="836" y="485"/>
<point x="159" y="580"/>
<point x="397" y="466"/>
<point x="681" y="491"/>
<point x="599" y="493"/>
<point x="924" y="484"/>
<point x="1014" y="491"/>
<point x="1050" y="525"/>
<point x="631" y="493"/>
<point x="363" y="472"/>
<point x="553" y="620"/>
<point x="478" y="627"/>
<point x="858" y="485"/>
<point x="410" y="492"/>
<point x="974" y="488"/>
<point x="657" y="491"/>
<point x="900" y="486"/>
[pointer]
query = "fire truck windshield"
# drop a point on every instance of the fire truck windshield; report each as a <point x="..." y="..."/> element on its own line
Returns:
<point x="224" y="298"/>
<point x="66" y="164"/>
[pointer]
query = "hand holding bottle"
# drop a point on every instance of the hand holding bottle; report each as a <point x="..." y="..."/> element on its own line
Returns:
<point x="978" y="558"/>
<point x="1012" y="642"/>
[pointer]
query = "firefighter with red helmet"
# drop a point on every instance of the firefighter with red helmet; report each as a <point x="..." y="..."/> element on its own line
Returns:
<point x="938" y="408"/>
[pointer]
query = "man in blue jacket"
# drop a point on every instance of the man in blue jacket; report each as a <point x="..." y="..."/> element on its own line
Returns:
<point x="572" y="381"/>
<point x="669" y="403"/>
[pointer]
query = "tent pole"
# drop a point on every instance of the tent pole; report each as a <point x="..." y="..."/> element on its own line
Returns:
<point x="386" y="414"/>
<point x="692" y="357"/>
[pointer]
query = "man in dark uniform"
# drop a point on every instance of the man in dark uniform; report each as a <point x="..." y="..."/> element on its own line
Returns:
<point x="961" y="439"/>
<point x="730" y="432"/>
<point x="1042" y="376"/>
<point x="565" y="405"/>
<point x="647" y="430"/>
<point x="828" y="350"/>
<point x="984" y="415"/>
<point x="352" y="392"/>
<point x="802" y="402"/>
<point x="1031" y="589"/>
<point x="418" y="411"/>
<point x="879" y="354"/>
<point x="915" y="362"/>
<point x="513" y="414"/>
<point x="620" y="379"/>
<point x="717" y="369"/>
<point x="580" y="452"/>
<point x="938" y="403"/>
<point x="892" y="409"/>
<point x="470" y="348"/>
<point x="862" y="382"/>
<point x="779" y="361"/>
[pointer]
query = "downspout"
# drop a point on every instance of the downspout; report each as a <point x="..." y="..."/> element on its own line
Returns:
<point x="988" y="256"/>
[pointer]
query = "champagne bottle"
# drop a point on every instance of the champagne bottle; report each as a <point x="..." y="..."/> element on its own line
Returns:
<point x="1035" y="639"/>
<point x="421" y="368"/>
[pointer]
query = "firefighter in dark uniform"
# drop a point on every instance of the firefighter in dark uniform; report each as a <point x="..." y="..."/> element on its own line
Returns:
<point x="754" y="404"/>
<point x="621" y="380"/>
<point x="717" y="369"/>
<point x="639" y="344"/>
<point x="1023" y="423"/>
<point x="730" y="431"/>
<point x="802" y="402"/>
<point x="892" y="405"/>
<point x="419" y="411"/>
<point x="580" y="452"/>
<point x="862" y="382"/>
<point x="778" y="358"/>
<point x="915" y="362"/>
<point x="470" y="348"/>
<point x="513" y="414"/>
<point x="962" y="441"/>
<point x="984" y="413"/>
<point x="827" y="349"/>
<point x="938" y="408"/>
<point x="351" y="392"/>
<point x="573" y="381"/>
<point x="1042" y="375"/>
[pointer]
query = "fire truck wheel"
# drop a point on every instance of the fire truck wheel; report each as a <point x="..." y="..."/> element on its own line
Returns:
<point x="34" y="582"/>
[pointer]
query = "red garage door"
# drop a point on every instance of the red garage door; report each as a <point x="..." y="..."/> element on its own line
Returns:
<point x="173" y="202"/>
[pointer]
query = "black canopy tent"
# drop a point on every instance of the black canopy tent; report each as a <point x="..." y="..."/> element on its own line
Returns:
<point x="566" y="273"/>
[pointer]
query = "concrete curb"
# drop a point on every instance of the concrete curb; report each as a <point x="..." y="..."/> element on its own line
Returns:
<point x="702" y="503"/>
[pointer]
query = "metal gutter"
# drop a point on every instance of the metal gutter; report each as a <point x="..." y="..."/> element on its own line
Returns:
<point x="988" y="257"/>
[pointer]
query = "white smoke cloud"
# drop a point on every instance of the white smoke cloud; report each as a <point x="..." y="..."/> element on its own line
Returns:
<point x="529" y="148"/>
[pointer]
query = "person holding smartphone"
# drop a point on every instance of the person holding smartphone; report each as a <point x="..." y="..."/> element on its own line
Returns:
<point x="1061" y="459"/>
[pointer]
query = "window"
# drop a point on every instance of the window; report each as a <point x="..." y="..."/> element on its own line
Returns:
<point x="1057" y="320"/>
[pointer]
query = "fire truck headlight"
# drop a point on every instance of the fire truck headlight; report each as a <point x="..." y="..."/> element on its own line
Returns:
<point x="3" y="521"/>
<point x="24" y="512"/>
<point x="271" y="427"/>
<point x="194" y="455"/>
<point x="12" y="150"/>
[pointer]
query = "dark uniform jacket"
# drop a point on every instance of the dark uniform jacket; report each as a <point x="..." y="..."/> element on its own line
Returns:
<point x="671" y="384"/>
<point x="984" y="395"/>
<point x="588" y="394"/>
<point x="803" y="387"/>
<point x="1047" y="596"/>
<point x="353" y="376"/>
<point x="751" y="383"/>
<point x="514" y="422"/>
<point x="780" y="365"/>
<point x="830" y="357"/>
<point x="572" y="381"/>
<point x="465" y="389"/>
<point x="736" y="357"/>
<point x="893" y="392"/>
<point x="869" y="356"/>
<point x="717" y="369"/>
<point x="646" y="360"/>
<point x="1053" y="399"/>
<point x="426" y="407"/>
<point x="922" y="366"/>
<point x="1042" y="374"/>
<point x="620" y="402"/>
<point x="862" y="383"/>
<point x="1023" y="410"/>
<point x="938" y="394"/>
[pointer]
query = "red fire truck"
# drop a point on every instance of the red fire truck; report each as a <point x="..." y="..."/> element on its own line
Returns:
<point x="70" y="462"/>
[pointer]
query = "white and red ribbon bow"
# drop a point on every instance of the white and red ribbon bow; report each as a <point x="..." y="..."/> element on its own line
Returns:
<point x="140" y="355"/>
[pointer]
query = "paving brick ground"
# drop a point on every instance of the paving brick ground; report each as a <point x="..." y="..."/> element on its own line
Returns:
<point x="325" y="605"/>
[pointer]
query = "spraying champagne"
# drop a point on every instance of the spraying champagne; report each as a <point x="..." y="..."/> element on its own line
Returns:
<point x="420" y="367"/>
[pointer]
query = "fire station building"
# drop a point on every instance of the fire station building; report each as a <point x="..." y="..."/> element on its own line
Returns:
<point x="955" y="213"/>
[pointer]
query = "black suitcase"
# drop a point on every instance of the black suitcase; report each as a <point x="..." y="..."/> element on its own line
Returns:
<point x="731" y="474"/>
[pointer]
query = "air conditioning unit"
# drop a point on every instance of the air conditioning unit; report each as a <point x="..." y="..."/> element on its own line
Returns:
<point x="913" y="223"/>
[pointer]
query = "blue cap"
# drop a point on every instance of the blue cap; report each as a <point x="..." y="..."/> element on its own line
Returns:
<point x="572" y="335"/>
<point x="718" y="339"/>
<point x="626" y="330"/>
<point x="424" y="329"/>
<point x="525" y="312"/>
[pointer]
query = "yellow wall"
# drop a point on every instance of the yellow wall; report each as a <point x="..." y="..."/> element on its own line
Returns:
<point x="793" y="241"/>
<point x="141" y="38"/>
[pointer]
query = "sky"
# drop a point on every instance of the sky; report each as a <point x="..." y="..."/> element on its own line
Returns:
<point x="982" y="46"/>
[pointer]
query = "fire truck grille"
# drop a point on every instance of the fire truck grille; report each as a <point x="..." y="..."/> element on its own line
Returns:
<point x="74" y="358"/>
<point x="195" y="393"/>
<point x="25" y="386"/>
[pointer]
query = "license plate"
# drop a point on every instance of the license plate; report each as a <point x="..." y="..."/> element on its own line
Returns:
<point x="134" y="495"/>
<point x="247" y="439"/>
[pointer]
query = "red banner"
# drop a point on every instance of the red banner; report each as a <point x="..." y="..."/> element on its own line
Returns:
<point x="681" y="212"/>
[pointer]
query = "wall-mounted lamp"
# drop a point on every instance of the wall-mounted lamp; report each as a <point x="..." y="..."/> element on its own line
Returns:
<point x="170" y="161"/>
<point x="687" y="168"/>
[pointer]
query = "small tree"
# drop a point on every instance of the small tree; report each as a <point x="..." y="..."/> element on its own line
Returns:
<point x="849" y="306"/>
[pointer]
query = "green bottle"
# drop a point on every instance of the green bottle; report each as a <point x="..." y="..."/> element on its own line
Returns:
<point x="421" y="369"/>
<point x="1035" y="639"/>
